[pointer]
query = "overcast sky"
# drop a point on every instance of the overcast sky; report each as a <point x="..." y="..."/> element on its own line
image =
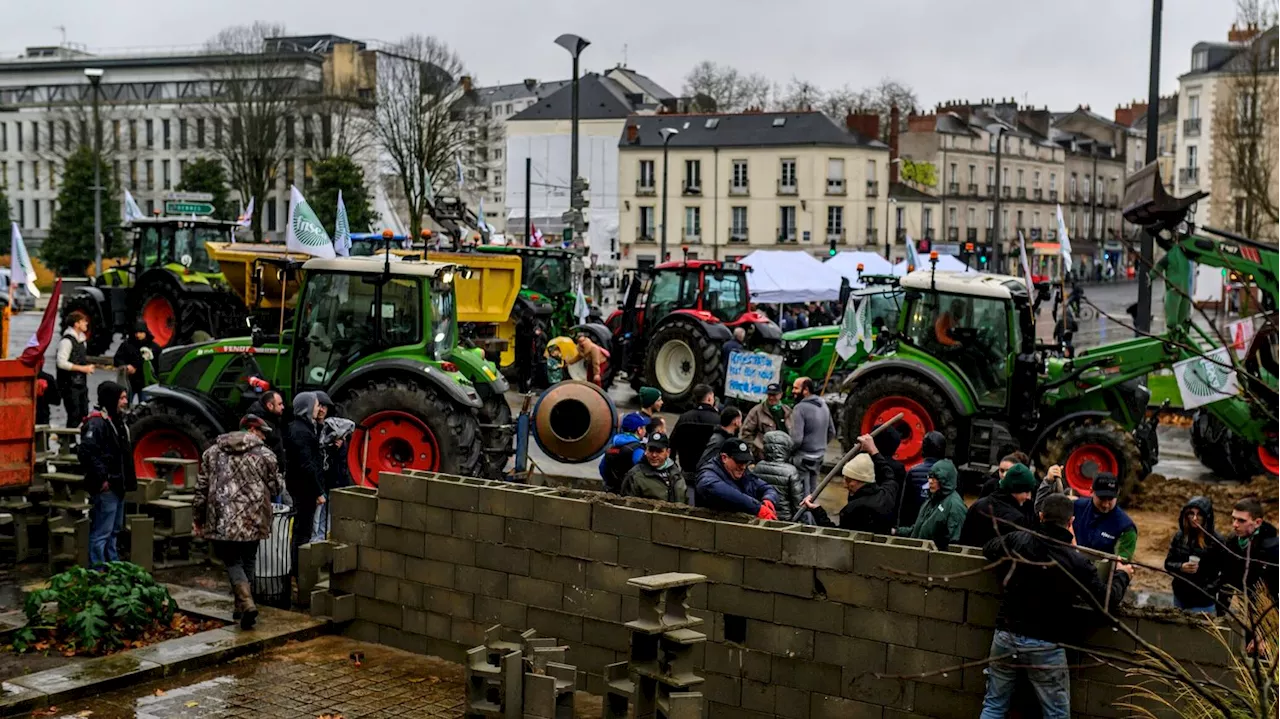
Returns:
<point x="1058" y="54"/>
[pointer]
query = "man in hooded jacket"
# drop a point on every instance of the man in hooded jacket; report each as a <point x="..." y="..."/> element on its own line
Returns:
<point x="132" y="357"/>
<point x="304" y="467"/>
<point x="270" y="408"/>
<point x="942" y="515"/>
<point x="106" y="457"/>
<point x="915" y="487"/>
<point x="1003" y="511"/>
<point x="873" y="492"/>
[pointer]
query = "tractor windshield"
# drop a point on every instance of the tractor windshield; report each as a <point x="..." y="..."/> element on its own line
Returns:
<point x="344" y="318"/>
<point x="725" y="296"/>
<point x="547" y="274"/>
<point x="969" y="333"/>
<point x="190" y="242"/>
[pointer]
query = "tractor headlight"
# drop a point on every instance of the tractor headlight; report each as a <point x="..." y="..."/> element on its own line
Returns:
<point x="795" y="344"/>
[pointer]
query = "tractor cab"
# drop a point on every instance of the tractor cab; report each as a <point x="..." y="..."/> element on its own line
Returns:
<point x="546" y="270"/>
<point x="807" y="352"/>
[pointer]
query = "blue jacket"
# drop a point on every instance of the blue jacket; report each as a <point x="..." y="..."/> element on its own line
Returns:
<point x="915" y="490"/>
<point x="1099" y="531"/>
<point x="717" y="490"/>
<point x="637" y="455"/>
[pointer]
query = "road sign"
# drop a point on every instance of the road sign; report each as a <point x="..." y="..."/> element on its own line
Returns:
<point x="188" y="197"/>
<point x="187" y="208"/>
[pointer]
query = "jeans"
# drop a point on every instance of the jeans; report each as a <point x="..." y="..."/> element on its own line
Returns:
<point x="304" y="517"/>
<point x="239" y="558"/>
<point x="1046" y="666"/>
<point x="1205" y="609"/>
<point x="809" y="468"/>
<point x="106" y="520"/>
<point x="320" y="525"/>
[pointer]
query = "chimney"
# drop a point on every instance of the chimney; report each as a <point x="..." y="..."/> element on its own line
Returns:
<point x="866" y="124"/>
<point x="1242" y="34"/>
<point x="894" y="119"/>
<point x="530" y="83"/>
<point x="1128" y="114"/>
<point x="466" y="83"/>
<point x="633" y="134"/>
<point x="922" y="123"/>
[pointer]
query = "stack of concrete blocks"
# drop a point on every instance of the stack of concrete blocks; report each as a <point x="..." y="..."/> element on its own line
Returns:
<point x="655" y="682"/>
<point x="799" y="620"/>
<point x="519" y="676"/>
<point x="315" y="561"/>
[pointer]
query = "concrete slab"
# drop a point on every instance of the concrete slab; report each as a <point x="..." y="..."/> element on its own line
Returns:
<point x="17" y="699"/>
<point x="91" y="677"/>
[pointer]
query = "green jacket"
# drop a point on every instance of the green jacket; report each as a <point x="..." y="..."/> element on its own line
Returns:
<point x="942" y="515"/>
<point x="665" y="483"/>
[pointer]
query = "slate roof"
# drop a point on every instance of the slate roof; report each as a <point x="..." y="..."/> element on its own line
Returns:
<point x="599" y="98"/>
<point x="518" y="91"/>
<point x="746" y="130"/>
<point x="1232" y="56"/>
<point x="644" y="83"/>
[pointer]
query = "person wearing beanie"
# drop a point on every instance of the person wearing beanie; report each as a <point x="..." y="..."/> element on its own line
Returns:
<point x="1003" y="511"/>
<point x="650" y="405"/>
<point x="107" y="461"/>
<point x="873" y="493"/>
<point x="626" y="449"/>
<point x="942" y="515"/>
<point x="771" y="414"/>
<point x="132" y="356"/>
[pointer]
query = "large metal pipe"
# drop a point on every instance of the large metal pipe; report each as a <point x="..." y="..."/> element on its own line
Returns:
<point x="573" y="421"/>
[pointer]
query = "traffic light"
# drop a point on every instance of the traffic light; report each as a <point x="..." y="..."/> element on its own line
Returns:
<point x="831" y="247"/>
<point x="568" y="234"/>
<point x="966" y="253"/>
<point x="982" y="255"/>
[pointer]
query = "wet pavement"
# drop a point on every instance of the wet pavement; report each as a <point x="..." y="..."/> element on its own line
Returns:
<point x="298" y="681"/>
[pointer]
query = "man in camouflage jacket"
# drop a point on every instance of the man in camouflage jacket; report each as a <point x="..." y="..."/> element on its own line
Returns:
<point x="232" y="509"/>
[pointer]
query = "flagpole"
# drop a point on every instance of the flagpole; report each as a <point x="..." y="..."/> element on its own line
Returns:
<point x="830" y="368"/>
<point x="284" y="286"/>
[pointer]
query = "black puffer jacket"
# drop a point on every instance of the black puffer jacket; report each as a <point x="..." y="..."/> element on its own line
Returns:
<point x="780" y="473"/>
<point x="978" y="526"/>
<point x="1198" y="589"/>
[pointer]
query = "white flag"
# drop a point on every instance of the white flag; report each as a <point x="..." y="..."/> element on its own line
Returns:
<point x="1202" y="380"/>
<point x="342" y="230"/>
<point x="1026" y="266"/>
<point x="854" y="331"/>
<point x="305" y="233"/>
<point x="21" y="273"/>
<point x="130" y="210"/>
<point x="1064" y="241"/>
<point x="246" y="218"/>
<point x="580" y="309"/>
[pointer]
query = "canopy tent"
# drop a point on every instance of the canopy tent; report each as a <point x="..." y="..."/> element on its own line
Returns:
<point x="945" y="262"/>
<point x="846" y="263"/>
<point x="790" y="276"/>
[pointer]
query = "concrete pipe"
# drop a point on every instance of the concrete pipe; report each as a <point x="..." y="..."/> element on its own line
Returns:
<point x="573" y="421"/>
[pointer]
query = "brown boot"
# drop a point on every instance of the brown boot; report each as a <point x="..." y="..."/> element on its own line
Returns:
<point x="248" y="610"/>
<point x="237" y="610"/>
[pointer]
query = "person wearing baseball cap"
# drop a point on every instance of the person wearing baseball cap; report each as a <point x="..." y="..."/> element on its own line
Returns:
<point x="771" y="414"/>
<point x="626" y="449"/>
<point x="656" y="476"/>
<point x="725" y="483"/>
<point x="1002" y="511"/>
<point x="873" y="493"/>
<point x="1100" y="523"/>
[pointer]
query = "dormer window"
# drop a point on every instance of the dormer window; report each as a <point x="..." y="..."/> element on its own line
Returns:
<point x="1199" y="60"/>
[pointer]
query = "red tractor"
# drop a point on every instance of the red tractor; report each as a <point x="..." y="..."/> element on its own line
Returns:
<point x="675" y="320"/>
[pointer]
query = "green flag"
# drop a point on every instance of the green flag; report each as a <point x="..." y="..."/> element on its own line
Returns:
<point x="305" y="233"/>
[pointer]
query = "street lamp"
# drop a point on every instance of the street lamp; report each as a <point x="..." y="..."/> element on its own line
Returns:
<point x="667" y="133"/>
<point x="95" y="78"/>
<point x="890" y="201"/>
<point x="1142" y="320"/>
<point x="998" y="131"/>
<point x="575" y="45"/>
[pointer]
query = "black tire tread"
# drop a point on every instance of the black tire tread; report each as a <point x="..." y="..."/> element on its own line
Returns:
<point x="497" y="440"/>
<point x="1107" y="432"/>
<point x="151" y="416"/>
<point x="100" y="338"/>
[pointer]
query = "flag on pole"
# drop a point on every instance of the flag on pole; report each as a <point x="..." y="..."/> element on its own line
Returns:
<point x="342" y="230"/>
<point x="853" y="329"/>
<point x="535" y="236"/>
<point x="1026" y="266"/>
<point x="430" y="189"/>
<point x="913" y="260"/>
<point x="130" y="210"/>
<point x="458" y="160"/>
<point x="21" y="272"/>
<point x="33" y="355"/>
<point x="580" y="309"/>
<point x="305" y="233"/>
<point x="1064" y="241"/>
<point x="246" y="218"/>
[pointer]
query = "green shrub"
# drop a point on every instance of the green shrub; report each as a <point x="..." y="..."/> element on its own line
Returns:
<point x="95" y="611"/>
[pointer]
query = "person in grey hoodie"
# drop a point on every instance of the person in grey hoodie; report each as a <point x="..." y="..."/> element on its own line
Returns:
<point x="776" y="469"/>
<point x="811" y="429"/>
<point x="304" y="466"/>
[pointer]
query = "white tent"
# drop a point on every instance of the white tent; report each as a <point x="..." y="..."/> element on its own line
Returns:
<point x="950" y="263"/>
<point x="846" y="263"/>
<point x="790" y="276"/>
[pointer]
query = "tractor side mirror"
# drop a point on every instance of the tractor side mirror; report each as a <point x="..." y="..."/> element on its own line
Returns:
<point x="258" y="338"/>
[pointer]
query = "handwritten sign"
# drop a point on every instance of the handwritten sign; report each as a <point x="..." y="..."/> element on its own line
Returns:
<point x="750" y="374"/>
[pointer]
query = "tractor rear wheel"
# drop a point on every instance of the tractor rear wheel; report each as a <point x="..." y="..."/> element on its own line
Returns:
<point x="924" y="409"/>
<point x="159" y="430"/>
<point x="1227" y="455"/>
<point x="1087" y="448"/>
<point x="498" y="435"/>
<point x="100" y="336"/>
<point x="679" y="357"/>
<point x="402" y="425"/>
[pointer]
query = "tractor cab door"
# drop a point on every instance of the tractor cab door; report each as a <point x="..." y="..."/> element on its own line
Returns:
<point x="724" y="295"/>
<point x="971" y="334"/>
<point x="672" y="290"/>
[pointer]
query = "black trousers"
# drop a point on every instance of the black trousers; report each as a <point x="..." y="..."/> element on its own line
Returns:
<point x="76" y="400"/>
<point x="304" y="518"/>
<point x="239" y="558"/>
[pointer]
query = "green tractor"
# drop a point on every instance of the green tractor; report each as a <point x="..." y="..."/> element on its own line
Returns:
<point x="381" y="338"/>
<point x="170" y="283"/>
<point x="808" y="352"/>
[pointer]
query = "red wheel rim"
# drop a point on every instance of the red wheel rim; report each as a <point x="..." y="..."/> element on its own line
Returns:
<point x="162" y="443"/>
<point x="1268" y="459"/>
<point x="396" y="441"/>
<point x="916" y="422"/>
<point x="158" y="315"/>
<point x="1085" y="462"/>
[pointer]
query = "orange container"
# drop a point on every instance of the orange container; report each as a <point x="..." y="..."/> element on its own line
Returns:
<point x="17" y="426"/>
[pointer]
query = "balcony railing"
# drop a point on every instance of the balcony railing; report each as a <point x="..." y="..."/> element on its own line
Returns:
<point x="1022" y="193"/>
<point x="645" y="190"/>
<point x="953" y="188"/>
<point x="786" y="235"/>
<point x="1113" y="200"/>
<point x="1051" y="235"/>
<point x="973" y="189"/>
<point x="1076" y="196"/>
<point x="991" y="190"/>
<point x="1039" y="194"/>
<point x="873" y="188"/>
<point x="991" y="234"/>
<point x="1191" y="127"/>
<point x="788" y="189"/>
<point x="1188" y="175"/>
<point x="836" y="236"/>
<point x="1053" y="195"/>
<point x="692" y="236"/>
<point x="900" y="235"/>
<point x="738" y="235"/>
<point x="835" y="186"/>
<point x="873" y="236"/>
<point x="953" y="234"/>
<point x="1005" y="191"/>
<point x="1035" y="234"/>
<point x="971" y="234"/>
<point x="692" y="188"/>
<point x="645" y="235"/>
<point x="928" y="234"/>
<point x="737" y="190"/>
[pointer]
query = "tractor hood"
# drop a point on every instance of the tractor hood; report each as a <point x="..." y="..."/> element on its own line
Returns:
<point x="812" y="333"/>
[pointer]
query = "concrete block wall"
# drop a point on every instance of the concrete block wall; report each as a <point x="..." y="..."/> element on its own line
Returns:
<point x="798" y="619"/>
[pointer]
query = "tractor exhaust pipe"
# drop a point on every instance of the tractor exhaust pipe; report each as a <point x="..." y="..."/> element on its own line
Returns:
<point x="573" y="421"/>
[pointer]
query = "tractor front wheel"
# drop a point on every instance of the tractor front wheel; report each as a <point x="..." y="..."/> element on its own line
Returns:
<point x="1228" y="455"/>
<point x="1090" y="447"/>
<point x="159" y="430"/>
<point x="876" y="401"/>
<point x="680" y="357"/>
<point x="498" y="430"/>
<point x="402" y="425"/>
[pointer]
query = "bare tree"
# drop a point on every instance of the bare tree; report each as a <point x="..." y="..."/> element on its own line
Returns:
<point x="799" y="95"/>
<point x="256" y="88"/>
<point x="841" y="101"/>
<point x="421" y="133"/>
<point x="351" y="121"/>
<point x="727" y="89"/>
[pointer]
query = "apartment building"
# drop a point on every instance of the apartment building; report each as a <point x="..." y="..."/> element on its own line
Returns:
<point x="741" y="182"/>
<point x="157" y="115"/>
<point x="1166" y="140"/>
<point x="1098" y="152"/>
